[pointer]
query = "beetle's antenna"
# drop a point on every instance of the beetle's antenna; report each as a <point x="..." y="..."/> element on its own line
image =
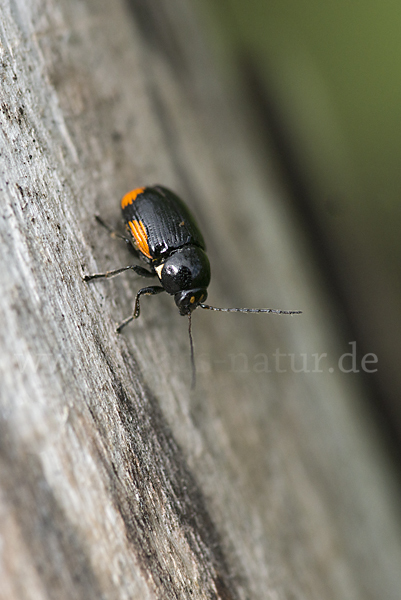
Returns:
<point x="191" y="343"/>
<point x="252" y="310"/>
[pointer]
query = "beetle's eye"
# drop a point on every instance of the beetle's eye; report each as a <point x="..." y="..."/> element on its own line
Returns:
<point x="188" y="300"/>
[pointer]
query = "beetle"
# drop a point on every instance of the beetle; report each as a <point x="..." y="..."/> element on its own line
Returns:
<point x="164" y="234"/>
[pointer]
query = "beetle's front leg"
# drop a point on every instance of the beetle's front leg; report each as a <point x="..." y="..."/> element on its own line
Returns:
<point x="148" y="291"/>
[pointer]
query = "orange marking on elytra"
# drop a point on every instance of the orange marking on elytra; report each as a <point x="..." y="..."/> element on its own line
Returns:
<point x="131" y="196"/>
<point x="140" y="236"/>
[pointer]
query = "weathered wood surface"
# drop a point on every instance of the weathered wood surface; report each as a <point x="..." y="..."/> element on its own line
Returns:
<point x="116" y="481"/>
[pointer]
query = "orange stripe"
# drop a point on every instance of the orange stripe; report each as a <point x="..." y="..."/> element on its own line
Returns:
<point x="131" y="196"/>
<point x="140" y="236"/>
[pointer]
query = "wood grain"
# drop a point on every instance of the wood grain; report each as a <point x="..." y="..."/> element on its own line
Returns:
<point x="269" y="481"/>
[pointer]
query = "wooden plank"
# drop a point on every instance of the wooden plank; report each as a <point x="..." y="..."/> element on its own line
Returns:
<point x="116" y="480"/>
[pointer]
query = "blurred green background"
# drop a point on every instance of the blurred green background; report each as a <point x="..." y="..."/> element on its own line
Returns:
<point x="330" y="76"/>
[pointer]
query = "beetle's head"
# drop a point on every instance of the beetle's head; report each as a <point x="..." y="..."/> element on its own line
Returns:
<point x="185" y="274"/>
<point x="188" y="300"/>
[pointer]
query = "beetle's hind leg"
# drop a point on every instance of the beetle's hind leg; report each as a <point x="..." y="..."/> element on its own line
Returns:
<point x="147" y="291"/>
<point x="113" y="232"/>
<point x="139" y="270"/>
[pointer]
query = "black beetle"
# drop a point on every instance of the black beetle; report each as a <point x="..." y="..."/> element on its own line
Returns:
<point x="164" y="234"/>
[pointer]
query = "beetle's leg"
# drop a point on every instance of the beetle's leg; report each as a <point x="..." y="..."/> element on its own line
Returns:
<point x="139" y="270"/>
<point x="148" y="291"/>
<point x="113" y="232"/>
<point x="143" y="272"/>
